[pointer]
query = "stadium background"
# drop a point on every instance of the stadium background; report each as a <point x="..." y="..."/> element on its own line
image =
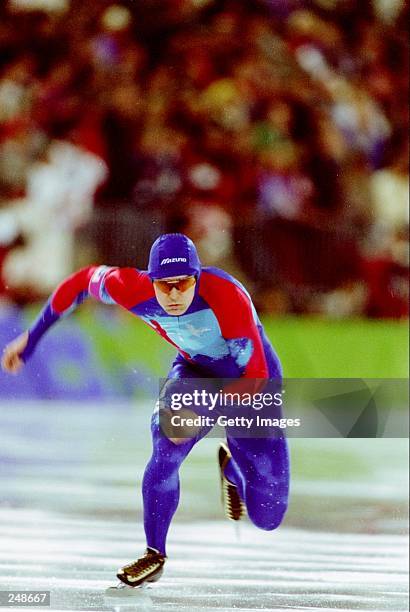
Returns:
<point x="274" y="133"/>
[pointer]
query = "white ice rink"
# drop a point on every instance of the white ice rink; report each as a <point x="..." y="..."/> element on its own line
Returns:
<point x="70" y="515"/>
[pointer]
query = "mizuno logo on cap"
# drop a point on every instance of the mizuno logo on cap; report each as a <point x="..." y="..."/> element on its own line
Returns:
<point x="168" y="260"/>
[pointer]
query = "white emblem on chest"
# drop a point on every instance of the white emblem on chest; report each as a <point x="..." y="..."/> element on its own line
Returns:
<point x="196" y="331"/>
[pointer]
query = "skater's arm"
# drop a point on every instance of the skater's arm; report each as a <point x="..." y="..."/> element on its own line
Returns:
<point x="65" y="298"/>
<point x="123" y="286"/>
<point x="237" y="320"/>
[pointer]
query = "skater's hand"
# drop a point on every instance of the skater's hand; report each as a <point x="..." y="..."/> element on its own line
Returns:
<point x="11" y="361"/>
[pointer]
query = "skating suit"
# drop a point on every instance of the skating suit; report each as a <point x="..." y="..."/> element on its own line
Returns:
<point x="219" y="335"/>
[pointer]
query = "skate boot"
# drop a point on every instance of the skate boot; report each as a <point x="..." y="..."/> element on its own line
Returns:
<point x="233" y="505"/>
<point x="148" y="568"/>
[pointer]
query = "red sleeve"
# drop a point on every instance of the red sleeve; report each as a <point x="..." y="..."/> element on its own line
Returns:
<point x="128" y="286"/>
<point x="67" y="292"/>
<point x="233" y="309"/>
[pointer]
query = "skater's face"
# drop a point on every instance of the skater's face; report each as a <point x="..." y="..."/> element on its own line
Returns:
<point x="175" y="294"/>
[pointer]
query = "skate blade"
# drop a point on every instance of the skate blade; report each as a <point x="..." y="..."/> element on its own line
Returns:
<point x="124" y="590"/>
<point x="237" y="529"/>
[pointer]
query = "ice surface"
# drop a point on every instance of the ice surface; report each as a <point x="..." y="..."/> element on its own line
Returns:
<point x="70" y="515"/>
<point x="207" y="569"/>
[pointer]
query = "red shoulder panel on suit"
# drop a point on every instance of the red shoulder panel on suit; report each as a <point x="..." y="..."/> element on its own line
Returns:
<point x="128" y="286"/>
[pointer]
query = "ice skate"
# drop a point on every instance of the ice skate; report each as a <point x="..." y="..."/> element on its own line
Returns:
<point x="148" y="568"/>
<point x="233" y="505"/>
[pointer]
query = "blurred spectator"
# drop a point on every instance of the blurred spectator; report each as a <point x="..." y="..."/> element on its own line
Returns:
<point x="389" y="189"/>
<point x="59" y="199"/>
<point x="272" y="131"/>
<point x="283" y="189"/>
<point x="385" y="272"/>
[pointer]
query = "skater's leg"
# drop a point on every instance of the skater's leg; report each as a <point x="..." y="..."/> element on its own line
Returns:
<point x="260" y="465"/>
<point x="160" y="486"/>
<point x="233" y="472"/>
<point x="261" y="468"/>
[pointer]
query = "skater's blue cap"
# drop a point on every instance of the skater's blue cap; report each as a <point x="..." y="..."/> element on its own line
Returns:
<point x="173" y="255"/>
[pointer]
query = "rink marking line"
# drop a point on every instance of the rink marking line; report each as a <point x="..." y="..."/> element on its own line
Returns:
<point x="331" y="581"/>
<point x="51" y="516"/>
<point x="182" y="581"/>
<point x="103" y="561"/>
<point x="97" y="549"/>
<point x="118" y="529"/>
<point x="132" y="547"/>
<point x="386" y="549"/>
<point x="196" y="591"/>
<point x="99" y="553"/>
<point x="36" y="484"/>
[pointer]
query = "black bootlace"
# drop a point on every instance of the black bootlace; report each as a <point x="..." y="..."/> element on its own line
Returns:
<point x="145" y="562"/>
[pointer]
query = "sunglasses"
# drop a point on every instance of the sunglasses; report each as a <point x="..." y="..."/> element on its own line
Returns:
<point x="182" y="284"/>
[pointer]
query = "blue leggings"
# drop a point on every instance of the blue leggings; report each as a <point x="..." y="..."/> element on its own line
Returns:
<point x="259" y="468"/>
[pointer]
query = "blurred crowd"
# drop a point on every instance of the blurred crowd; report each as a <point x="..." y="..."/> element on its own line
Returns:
<point x="273" y="132"/>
